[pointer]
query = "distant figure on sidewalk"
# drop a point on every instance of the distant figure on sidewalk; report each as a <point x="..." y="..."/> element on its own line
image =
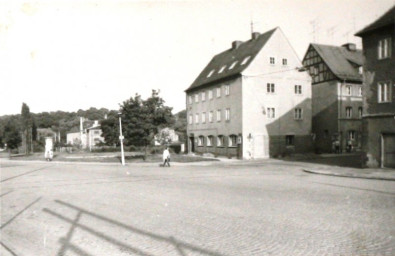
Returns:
<point x="166" y="157"/>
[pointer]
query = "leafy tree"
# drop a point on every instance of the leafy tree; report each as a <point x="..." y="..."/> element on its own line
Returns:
<point x="11" y="134"/>
<point x="26" y="122"/>
<point x="142" y="119"/>
<point x="180" y="125"/>
<point x="110" y="128"/>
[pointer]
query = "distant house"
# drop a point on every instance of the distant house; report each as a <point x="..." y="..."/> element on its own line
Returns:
<point x="378" y="40"/>
<point x="167" y="136"/>
<point x="87" y="138"/>
<point x="336" y="95"/>
<point x="251" y="101"/>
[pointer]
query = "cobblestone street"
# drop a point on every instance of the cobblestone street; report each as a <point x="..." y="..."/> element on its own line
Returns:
<point x="272" y="208"/>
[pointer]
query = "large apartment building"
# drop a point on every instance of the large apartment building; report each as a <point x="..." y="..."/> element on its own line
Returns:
<point x="336" y="73"/>
<point x="251" y="101"/>
<point x="378" y="40"/>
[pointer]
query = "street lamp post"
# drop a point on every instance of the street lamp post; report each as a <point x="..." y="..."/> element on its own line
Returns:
<point x="121" y="140"/>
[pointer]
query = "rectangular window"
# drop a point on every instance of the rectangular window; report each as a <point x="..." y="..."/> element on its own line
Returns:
<point x="190" y="99"/>
<point x="272" y="60"/>
<point x="201" y="141"/>
<point x="298" y="113"/>
<point x="196" y="98"/>
<point x="360" y="112"/>
<point x="227" y="89"/>
<point x="232" y="141"/>
<point x="348" y="89"/>
<point x="196" y="118"/>
<point x="210" y="116"/>
<point x="360" y="90"/>
<point x="270" y="88"/>
<point x="384" y="92"/>
<point x="285" y="62"/>
<point x="203" y="95"/>
<point x="204" y="117"/>
<point x="227" y="114"/>
<point x="209" y="141"/>
<point x="218" y="115"/>
<point x="349" y="112"/>
<point x="210" y="94"/>
<point x="351" y="135"/>
<point x="271" y="112"/>
<point x="290" y="140"/>
<point x="190" y="119"/>
<point x="220" y="141"/>
<point x="298" y="89"/>
<point x="218" y="92"/>
<point x="384" y="48"/>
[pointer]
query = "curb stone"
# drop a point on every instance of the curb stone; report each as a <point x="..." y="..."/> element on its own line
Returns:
<point x="347" y="175"/>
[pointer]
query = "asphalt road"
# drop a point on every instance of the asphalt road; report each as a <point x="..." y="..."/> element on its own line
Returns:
<point x="214" y="210"/>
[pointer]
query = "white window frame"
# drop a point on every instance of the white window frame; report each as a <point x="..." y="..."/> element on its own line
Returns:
<point x="298" y="114"/>
<point x="196" y="97"/>
<point x="218" y="91"/>
<point x="271" y="112"/>
<point x="220" y="141"/>
<point x="227" y="89"/>
<point x="384" y="92"/>
<point x="348" y="112"/>
<point x="203" y="117"/>
<point x="360" y="91"/>
<point x="219" y="115"/>
<point x="227" y="114"/>
<point x="232" y="140"/>
<point x="200" y="141"/>
<point x="196" y="118"/>
<point x="203" y="95"/>
<point x="210" y="116"/>
<point x="348" y="90"/>
<point x="210" y="141"/>
<point x="190" y="99"/>
<point x="190" y="119"/>
<point x="384" y="48"/>
<point x="210" y="94"/>
<point x="272" y="60"/>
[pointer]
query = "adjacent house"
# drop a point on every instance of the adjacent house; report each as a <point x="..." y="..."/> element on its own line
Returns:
<point x="336" y="73"/>
<point x="251" y="101"/>
<point x="86" y="138"/>
<point x="378" y="40"/>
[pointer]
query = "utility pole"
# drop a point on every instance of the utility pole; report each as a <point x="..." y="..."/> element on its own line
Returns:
<point x="121" y="139"/>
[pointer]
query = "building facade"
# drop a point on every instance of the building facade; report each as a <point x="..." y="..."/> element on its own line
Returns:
<point x="336" y="96"/>
<point x="378" y="40"/>
<point x="251" y="101"/>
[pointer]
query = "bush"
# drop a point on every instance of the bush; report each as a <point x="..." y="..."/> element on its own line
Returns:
<point x="175" y="148"/>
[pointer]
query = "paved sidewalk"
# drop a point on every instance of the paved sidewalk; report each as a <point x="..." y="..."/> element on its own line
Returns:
<point x="366" y="173"/>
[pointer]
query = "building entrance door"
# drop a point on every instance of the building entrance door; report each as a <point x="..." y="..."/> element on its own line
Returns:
<point x="388" y="150"/>
<point x="191" y="145"/>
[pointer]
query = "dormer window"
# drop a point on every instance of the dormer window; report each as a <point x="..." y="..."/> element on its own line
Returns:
<point x="245" y="60"/>
<point x="211" y="72"/>
<point x="222" y="69"/>
<point x="233" y="65"/>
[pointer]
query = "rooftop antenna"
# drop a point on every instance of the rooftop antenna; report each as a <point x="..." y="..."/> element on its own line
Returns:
<point x="330" y="31"/>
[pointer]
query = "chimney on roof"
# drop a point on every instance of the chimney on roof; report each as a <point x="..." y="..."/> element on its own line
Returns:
<point x="255" y="35"/>
<point x="236" y="44"/>
<point x="350" y="46"/>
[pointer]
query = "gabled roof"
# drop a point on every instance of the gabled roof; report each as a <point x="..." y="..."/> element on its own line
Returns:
<point x="220" y="65"/>
<point x="340" y="61"/>
<point x="388" y="18"/>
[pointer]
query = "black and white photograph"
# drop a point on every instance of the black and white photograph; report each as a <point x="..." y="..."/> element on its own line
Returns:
<point x="197" y="127"/>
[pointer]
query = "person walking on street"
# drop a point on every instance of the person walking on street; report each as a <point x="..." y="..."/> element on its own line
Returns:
<point x="166" y="157"/>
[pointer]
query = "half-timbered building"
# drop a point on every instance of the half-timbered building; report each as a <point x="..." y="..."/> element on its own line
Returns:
<point x="336" y="96"/>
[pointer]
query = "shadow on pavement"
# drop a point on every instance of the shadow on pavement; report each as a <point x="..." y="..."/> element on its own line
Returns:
<point x="180" y="246"/>
<point x="353" y="160"/>
<point x="364" y="189"/>
<point x="23" y="174"/>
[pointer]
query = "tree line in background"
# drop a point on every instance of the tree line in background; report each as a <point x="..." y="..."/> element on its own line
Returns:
<point x="141" y="121"/>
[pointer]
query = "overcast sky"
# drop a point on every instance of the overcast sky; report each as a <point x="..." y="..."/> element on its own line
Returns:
<point x="70" y="55"/>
